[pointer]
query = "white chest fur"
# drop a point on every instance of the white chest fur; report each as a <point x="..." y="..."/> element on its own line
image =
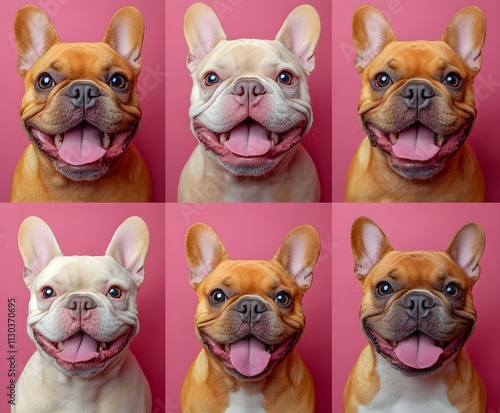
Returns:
<point x="399" y="393"/>
<point x="243" y="401"/>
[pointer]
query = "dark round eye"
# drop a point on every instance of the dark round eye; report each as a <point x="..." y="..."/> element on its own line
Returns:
<point x="118" y="81"/>
<point x="211" y="79"/>
<point x="217" y="297"/>
<point x="382" y="80"/>
<point x="283" y="299"/>
<point x="452" y="80"/>
<point x="452" y="290"/>
<point x="45" y="81"/>
<point x="384" y="288"/>
<point x="115" y="292"/>
<point x="48" y="292"/>
<point x="285" y="78"/>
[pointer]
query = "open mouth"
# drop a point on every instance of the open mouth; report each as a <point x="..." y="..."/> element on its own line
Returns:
<point x="250" y="139"/>
<point x="418" y="354"/>
<point x="417" y="151"/>
<point x="249" y="357"/>
<point x="82" y="147"/>
<point x="82" y="351"/>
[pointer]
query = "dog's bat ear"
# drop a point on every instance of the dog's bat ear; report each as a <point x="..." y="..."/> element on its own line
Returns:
<point x="34" y="35"/>
<point x="203" y="31"/>
<point x="466" y="249"/>
<point x="371" y="33"/>
<point x="465" y="34"/>
<point x="369" y="244"/>
<point x="125" y="34"/>
<point x="299" y="253"/>
<point x="204" y="252"/>
<point x="300" y="34"/>
<point x="129" y="247"/>
<point x="38" y="247"/>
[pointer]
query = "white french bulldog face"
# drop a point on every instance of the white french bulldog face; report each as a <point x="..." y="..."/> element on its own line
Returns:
<point x="82" y="310"/>
<point x="250" y="102"/>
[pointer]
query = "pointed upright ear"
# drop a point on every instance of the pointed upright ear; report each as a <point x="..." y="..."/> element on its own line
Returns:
<point x="34" y="36"/>
<point x="371" y="33"/>
<point x="125" y="33"/>
<point x="299" y="253"/>
<point x="369" y="244"/>
<point x="38" y="247"/>
<point x="300" y="34"/>
<point x="465" y="34"/>
<point x="129" y="247"/>
<point x="203" y="31"/>
<point x="466" y="249"/>
<point x="204" y="252"/>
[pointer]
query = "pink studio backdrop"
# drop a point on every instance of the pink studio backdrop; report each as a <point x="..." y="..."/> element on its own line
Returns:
<point x="415" y="227"/>
<point x="87" y="21"/>
<point x="87" y="230"/>
<point x="412" y="20"/>
<point x="249" y="231"/>
<point x="259" y="19"/>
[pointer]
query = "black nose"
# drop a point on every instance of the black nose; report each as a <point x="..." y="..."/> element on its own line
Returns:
<point x="83" y="94"/>
<point x="417" y="305"/>
<point x="251" y="309"/>
<point x="417" y="95"/>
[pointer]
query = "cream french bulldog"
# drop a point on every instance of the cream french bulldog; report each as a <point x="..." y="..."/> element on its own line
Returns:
<point x="82" y="316"/>
<point x="249" y="318"/>
<point x="81" y="111"/>
<point x="250" y="108"/>
<point x="417" y="312"/>
<point x="417" y="108"/>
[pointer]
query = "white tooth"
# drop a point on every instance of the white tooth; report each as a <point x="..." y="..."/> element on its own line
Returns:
<point x="224" y="136"/>
<point x="268" y="350"/>
<point x="60" y="345"/>
<point x="440" y="140"/>
<point x="275" y="138"/>
<point x="106" y="141"/>
<point x="58" y="140"/>
<point x="393" y="137"/>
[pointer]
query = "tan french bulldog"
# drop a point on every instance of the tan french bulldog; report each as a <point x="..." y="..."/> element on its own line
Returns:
<point x="417" y="312"/>
<point x="249" y="318"/>
<point x="417" y="108"/>
<point x="82" y="316"/>
<point x="81" y="111"/>
<point x="250" y="108"/>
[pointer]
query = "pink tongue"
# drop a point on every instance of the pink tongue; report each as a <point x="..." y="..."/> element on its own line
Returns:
<point x="415" y="143"/>
<point x="81" y="146"/>
<point x="249" y="356"/>
<point x="418" y="351"/>
<point x="248" y="139"/>
<point x="78" y="348"/>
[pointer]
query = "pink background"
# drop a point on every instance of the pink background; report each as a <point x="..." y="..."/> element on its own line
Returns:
<point x="260" y="19"/>
<point x="87" y="230"/>
<point x="415" y="227"/>
<point x="411" y="20"/>
<point x="77" y="20"/>
<point x="248" y="231"/>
